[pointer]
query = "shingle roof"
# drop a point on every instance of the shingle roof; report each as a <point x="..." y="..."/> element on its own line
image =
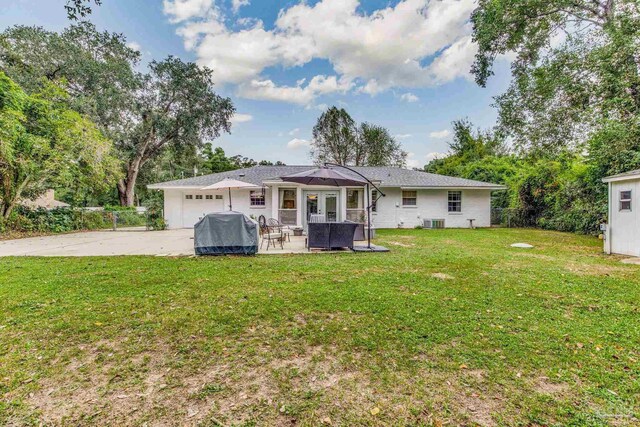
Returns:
<point x="621" y="176"/>
<point x="384" y="176"/>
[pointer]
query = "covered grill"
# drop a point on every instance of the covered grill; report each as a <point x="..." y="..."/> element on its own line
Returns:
<point x="225" y="233"/>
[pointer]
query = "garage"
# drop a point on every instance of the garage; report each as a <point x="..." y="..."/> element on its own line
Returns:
<point x="196" y="205"/>
<point x="183" y="208"/>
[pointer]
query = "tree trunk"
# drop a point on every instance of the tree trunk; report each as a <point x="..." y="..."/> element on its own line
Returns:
<point x="11" y="200"/>
<point x="126" y="186"/>
<point x="7" y="207"/>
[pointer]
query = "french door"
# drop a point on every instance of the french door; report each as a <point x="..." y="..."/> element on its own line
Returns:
<point x="323" y="205"/>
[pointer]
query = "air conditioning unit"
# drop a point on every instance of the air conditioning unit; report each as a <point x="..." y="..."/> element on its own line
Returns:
<point x="433" y="223"/>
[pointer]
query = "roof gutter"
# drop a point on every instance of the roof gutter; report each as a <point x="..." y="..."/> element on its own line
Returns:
<point x="448" y="187"/>
<point x="173" y="187"/>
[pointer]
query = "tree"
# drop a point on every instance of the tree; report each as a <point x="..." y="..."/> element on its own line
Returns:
<point x="338" y="139"/>
<point x="43" y="143"/>
<point x="576" y="67"/>
<point x="468" y="146"/>
<point x="378" y="148"/>
<point x="79" y="8"/>
<point x="95" y="68"/>
<point x="215" y="160"/>
<point x="175" y="105"/>
<point x="334" y="137"/>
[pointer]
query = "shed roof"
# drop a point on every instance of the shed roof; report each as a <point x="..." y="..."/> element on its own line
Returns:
<point x="634" y="174"/>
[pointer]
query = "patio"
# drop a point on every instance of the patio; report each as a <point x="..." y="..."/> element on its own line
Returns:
<point x="177" y="242"/>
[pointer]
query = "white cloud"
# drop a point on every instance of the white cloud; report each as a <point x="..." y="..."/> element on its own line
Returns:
<point x="378" y="51"/>
<point x="299" y="94"/>
<point x="412" y="162"/>
<point x="432" y="156"/>
<point x="297" y="143"/>
<point x="319" y="107"/>
<point x="237" y="4"/>
<point x="402" y="136"/>
<point x="441" y="134"/>
<point x="241" y="118"/>
<point x="182" y="10"/>
<point x="134" y="45"/>
<point x="409" y="97"/>
<point x="293" y="132"/>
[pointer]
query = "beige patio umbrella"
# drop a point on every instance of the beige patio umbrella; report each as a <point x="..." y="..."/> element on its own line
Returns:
<point x="229" y="184"/>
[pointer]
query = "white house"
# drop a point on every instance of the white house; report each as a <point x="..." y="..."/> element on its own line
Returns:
<point x="623" y="230"/>
<point x="412" y="198"/>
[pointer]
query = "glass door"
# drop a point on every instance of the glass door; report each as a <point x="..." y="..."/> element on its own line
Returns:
<point x="331" y="206"/>
<point x="323" y="205"/>
<point x="312" y="201"/>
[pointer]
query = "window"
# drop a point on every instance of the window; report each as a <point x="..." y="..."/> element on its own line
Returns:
<point x="218" y="196"/>
<point x="455" y="201"/>
<point x="188" y="196"/>
<point x="257" y="197"/>
<point x="287" y="198"/>
<point x="409" y="198"/>
<point x="353" y="199"/>
<point x="287" y="213"/>
<point x="209" y="197"/>
<point x="625" y="200"/>
<point x="374" y="200"/>
<point x="198" y="196"/>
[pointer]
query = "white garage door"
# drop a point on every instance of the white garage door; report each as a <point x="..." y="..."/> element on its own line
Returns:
<point x="195" y="206"/>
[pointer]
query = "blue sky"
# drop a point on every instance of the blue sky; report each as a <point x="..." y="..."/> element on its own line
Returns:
<point x="402" y="64"/>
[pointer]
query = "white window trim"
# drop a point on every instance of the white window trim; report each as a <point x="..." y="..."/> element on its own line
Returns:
<point x="620" y="200"/>
<point x="402" y="199"/>
<point x="454" y="212"/>
<point x="262" y="206"/>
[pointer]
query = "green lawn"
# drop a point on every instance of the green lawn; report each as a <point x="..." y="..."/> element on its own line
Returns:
<point x="453" y="327"/>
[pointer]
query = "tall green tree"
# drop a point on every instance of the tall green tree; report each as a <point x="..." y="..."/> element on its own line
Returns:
<point x="335" y="137"/>
<point x="97" y="69"/>
<point x="143" y="113"/>
<point x="576" y="67"/>
<point x="175" y="105"/>
<point x="376" y="147"/>
<point x="338" y="139"/>
<point x="44" y="144"/>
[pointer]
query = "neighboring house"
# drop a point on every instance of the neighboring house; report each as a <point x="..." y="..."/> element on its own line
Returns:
<point x="623" y="230"/>
<point x="412" y="198"/>
<point x="46" y="201"/>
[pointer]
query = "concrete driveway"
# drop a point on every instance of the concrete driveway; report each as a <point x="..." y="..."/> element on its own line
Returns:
<point x="121" y="242"/>
<point x="98" y="243"/>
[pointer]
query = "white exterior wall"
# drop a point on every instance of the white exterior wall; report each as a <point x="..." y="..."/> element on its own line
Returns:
<point x="432" y="204"/>
<point x="624" y="226"/>
<point x="182" y="213"/>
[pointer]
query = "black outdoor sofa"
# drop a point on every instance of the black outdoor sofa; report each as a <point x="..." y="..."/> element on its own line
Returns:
<point x="331" y="235"/>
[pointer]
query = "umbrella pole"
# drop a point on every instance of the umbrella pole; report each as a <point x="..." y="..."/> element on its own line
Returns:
<point x="368" y="217"/>
<point x="230" y="205"/>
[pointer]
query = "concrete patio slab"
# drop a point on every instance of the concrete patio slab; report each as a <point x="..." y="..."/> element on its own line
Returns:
<point x="123" y="242"/>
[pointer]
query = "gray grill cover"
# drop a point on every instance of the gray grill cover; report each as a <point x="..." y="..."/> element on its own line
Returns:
<point x="226" y="233"/>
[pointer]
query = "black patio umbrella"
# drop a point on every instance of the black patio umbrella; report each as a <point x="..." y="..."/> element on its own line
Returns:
<point x="327" y="176"/>
<point x="324" y="176"/>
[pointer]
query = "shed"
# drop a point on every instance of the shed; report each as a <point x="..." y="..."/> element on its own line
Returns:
<point x="622" y="234"/>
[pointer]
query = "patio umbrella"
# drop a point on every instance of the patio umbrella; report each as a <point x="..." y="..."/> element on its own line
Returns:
<point x="229" y="184"/>
<point x="324" y="176"/>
